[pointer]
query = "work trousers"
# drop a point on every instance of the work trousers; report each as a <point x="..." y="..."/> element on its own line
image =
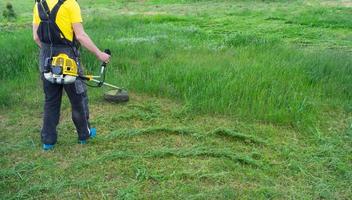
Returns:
<point x="52" y="105"/>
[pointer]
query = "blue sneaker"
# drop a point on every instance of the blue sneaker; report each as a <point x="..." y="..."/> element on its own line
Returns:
<point x="92" y="134"/>
<point x="82" y="141"/>
<point x="47" y="147"/>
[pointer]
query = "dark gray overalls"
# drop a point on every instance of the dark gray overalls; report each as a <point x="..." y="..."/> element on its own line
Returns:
<point x="76" y="93"/>
<point x="52" y="45"/>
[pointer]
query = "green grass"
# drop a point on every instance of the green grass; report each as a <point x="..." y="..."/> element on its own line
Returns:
<point x="230" y="100"/>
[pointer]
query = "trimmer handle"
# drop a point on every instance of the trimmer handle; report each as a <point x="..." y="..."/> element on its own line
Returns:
<point x="107" y="51"/>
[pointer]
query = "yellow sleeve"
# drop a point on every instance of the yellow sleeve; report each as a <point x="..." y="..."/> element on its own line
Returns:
<point x="75" y="12"/>
<point x="36" y="19"/>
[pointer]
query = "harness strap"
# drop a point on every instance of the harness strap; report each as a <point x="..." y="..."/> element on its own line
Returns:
<point x="43" y="14"/>
<point x="46" y="7"/>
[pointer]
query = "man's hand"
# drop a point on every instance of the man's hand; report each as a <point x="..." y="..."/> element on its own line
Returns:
<point x="103" y="57"/>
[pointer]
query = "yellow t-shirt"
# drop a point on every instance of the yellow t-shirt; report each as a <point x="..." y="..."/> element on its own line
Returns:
<point x="68" y="14"/>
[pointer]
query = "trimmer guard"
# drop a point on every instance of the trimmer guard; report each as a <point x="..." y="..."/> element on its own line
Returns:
<point x="116" y="96"/>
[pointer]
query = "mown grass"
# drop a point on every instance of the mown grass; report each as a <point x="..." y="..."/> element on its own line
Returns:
<point x="263" y="104"/>
<point x="192" y="159"/>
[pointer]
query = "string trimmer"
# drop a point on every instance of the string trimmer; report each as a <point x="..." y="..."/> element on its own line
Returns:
<point x="63" y="70"/>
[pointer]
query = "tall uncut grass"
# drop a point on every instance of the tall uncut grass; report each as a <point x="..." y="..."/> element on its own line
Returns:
<point x="242" y="74"/>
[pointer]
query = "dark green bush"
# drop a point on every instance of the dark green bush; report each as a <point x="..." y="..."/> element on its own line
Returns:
<point x="9" y="13"/>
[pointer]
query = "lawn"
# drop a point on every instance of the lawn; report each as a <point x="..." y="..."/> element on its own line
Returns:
<point x="228" y="100"/>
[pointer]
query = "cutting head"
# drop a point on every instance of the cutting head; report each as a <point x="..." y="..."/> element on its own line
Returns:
<point x="116" y="96"/>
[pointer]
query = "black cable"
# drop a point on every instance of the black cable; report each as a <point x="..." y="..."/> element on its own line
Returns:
<point x="89" y="85"/>
<point x="100" y="84"/>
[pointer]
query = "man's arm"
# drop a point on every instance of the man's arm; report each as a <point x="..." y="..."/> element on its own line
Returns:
<point x="85" y="41"/>
<point x="35" y="35"/>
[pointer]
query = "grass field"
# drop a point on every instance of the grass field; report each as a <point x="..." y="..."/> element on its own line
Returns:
<point x="229" y="100"/>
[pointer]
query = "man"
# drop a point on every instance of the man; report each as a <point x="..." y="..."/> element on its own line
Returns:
<point x="57" y="27"/>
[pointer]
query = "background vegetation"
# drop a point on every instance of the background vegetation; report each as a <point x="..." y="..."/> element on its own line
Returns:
<point x="229" y="99"/>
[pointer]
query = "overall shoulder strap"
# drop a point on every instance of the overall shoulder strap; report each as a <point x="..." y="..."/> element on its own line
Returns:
<point x="53" y="15"/>
<point x="55" y="10"/>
